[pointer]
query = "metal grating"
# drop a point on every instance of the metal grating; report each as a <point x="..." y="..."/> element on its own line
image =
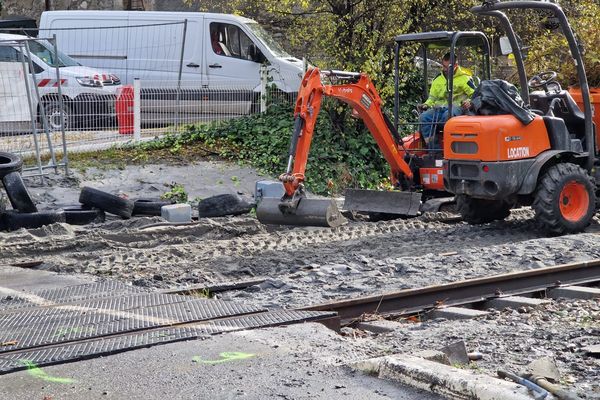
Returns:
<point x="70" y="352"/>
<point x="98" y="347"/>
<point x="52" y="325"/>
<point x="264" y="320"/>
<point x="69" y="294"/>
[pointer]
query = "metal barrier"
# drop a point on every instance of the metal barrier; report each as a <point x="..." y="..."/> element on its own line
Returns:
<point x="54" y="105"/>
<point x="29" y="101"/>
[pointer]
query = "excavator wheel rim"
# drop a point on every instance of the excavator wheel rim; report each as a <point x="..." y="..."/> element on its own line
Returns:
<point x="574" y="201"/>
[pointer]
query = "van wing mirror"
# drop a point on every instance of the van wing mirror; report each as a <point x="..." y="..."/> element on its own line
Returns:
<point x="255" y="54"/>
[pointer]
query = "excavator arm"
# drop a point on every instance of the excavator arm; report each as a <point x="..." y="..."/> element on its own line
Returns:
<point x="359" y="92"/>
<point x="362" y="96"/>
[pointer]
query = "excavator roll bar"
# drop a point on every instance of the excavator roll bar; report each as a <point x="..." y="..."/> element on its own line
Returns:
<point x="494" y="8"/>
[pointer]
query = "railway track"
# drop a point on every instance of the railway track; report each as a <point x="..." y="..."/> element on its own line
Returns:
<point x="472" y="292"/>
<point x="98" y="319"/>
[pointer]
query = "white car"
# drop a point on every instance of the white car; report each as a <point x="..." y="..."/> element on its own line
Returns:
<point x="88" y="94"/>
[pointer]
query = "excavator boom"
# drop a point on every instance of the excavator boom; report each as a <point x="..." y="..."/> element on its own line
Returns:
<point x="359" y="93"/>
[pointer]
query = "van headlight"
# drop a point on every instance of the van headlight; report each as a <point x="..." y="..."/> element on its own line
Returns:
<point x="88" y="81"/>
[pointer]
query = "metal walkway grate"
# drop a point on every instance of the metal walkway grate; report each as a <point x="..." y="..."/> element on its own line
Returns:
<point x="86" y="321"/>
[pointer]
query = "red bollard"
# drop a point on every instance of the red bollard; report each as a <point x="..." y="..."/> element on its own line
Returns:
<point x="124" y="109"/>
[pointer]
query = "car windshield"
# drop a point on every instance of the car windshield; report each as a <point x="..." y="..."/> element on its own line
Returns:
<point x="45" y="52"/>
<point x="267" y="40"/>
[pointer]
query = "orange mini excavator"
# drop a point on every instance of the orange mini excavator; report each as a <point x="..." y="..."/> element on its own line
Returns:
<point x="359" y="92"/>
<point x="416" y="169"/>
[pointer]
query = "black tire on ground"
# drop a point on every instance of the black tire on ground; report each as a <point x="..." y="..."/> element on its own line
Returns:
<point x="78" y="215"/>
<point x="12" y="220"/>
<point x="17" y="193"/>
<point x="149" y="206"/>
<point x="2" y="203"/>
<point x="53" y="113"/>
<point x="222" y="205"/>
<point x="105" y="201"/>
<point x="480" y="211"/>
<point x="565" y="199"/>
<point x="10" y="162"/>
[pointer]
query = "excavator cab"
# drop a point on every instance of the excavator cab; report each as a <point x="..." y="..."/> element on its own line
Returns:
<point x="470" y="50"/>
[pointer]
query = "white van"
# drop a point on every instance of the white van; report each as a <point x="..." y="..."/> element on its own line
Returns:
<point x="88" y="94"/>
<point x="222" y="53"/>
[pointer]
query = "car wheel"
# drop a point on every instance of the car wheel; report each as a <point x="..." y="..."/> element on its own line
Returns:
<point x="54" y="115"/>
<point x="480" y="211"/>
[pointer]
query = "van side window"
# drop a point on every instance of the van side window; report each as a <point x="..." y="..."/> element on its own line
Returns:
<point x="229" y="40"/>
<point x="10" y="54"/>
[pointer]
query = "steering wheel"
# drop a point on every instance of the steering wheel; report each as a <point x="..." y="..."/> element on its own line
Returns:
<point x="542" y="80"/>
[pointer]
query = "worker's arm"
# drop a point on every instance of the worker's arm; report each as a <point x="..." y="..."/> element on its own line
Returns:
<point x="437" y="92"/>
<point x="468" y="87"/>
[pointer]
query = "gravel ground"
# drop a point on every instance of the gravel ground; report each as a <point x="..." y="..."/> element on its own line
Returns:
<point x="304" y="266"/>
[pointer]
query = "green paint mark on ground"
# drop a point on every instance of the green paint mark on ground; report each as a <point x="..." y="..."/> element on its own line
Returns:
<point x="37" y="372"/>
<point x="225" y="357"/>
<point x="65" y="331"/>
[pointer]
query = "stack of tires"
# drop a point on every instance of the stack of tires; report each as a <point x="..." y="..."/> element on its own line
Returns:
<point x="24" y="213"/>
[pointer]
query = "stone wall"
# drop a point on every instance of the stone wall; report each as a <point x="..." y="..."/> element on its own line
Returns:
<point x="34" y="8"/>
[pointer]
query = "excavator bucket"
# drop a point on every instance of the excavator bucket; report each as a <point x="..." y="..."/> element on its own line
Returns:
<point x="308" y="212"/>
<point x="388" y="202"/>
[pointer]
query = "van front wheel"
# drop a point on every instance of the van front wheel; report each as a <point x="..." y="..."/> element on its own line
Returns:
<point x="55" y="115"/>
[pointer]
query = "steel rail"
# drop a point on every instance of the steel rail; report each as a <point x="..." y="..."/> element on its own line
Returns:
<point x="412" y="301"/>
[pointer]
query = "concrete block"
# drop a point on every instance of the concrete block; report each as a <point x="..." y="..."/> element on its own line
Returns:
<point x="593" y="350"/>
<point x="437" y="378"/>
<point x="514" y="302"/>
<point x="456" y="313"/>
<point x="176" y="212"/>
<point x="456" y="352"/>
<point x="574" y="292"/>
<point x="434" y="355"/>
<point x="382" y="326"/>
<point x="268" y="189"/>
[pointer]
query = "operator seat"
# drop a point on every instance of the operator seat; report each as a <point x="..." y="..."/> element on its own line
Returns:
<point x="224" y="49"/>
<point x="566" y="109"/>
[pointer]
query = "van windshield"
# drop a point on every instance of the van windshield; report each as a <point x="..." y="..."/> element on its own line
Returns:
<point x="267" y="40"/>
<point x="45" y="52"/>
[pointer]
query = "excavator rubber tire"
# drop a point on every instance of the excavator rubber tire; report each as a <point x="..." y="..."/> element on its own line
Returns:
<point x="565" y="199"/>
<point x="480" y="211"/>
<point x="310" y="212"/>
